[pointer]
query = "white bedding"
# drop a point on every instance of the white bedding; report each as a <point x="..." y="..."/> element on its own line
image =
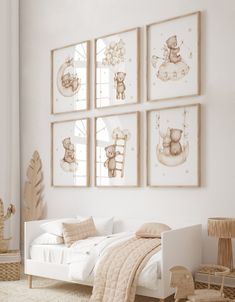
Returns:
<point x="55" y="253"/>
<point x="83" y="258"/>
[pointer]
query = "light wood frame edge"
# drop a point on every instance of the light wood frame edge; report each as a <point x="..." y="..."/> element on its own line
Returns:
<point x="198" y="13"/>
<point x="198" y="105"/>
<point x="137" y="29"/>
<point x="138" y="113"/>
<point x="87" y="153"/>
<point x="88" y="74"/>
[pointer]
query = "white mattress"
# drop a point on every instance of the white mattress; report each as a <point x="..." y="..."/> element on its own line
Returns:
<point x="83" y="266"/>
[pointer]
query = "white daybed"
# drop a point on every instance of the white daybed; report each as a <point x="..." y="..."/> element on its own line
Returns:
<point x="181" y="246"/>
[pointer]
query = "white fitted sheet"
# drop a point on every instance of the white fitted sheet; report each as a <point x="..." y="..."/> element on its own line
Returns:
<point x="55" y="253"/>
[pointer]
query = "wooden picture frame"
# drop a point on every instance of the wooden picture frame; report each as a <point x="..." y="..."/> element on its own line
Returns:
<point x="117" y="66"/>
<point x="173" y="146"/>
<point x="117" y="150"/>
<point x="173" y="57"/>
<point x="70" y="78"/>
<point x="70" y="156"/>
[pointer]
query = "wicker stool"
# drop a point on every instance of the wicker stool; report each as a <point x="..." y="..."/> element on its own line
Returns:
<point x="10" y="266"/>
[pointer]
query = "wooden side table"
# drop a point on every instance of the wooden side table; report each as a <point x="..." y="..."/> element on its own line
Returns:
<point x="201" y="281"/>
<point x="10" y="265"/>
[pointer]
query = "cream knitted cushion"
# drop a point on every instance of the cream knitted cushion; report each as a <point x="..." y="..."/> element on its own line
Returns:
<point x="77" y="231"/>
<point x="152" y="230"/>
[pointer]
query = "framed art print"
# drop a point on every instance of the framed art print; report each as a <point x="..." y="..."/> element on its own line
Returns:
<point x="117" y="150"/>
<point x="117" y="69"/>
<point x="70" y="160"/>
<point x="173" y="146"/>
<point x="70" y="78"/>
<point x="173" y="57"/>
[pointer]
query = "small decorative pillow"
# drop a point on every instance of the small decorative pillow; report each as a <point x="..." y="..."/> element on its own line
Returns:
<point x="47" y="238"/>
<point x="152" y="230"/>
<point x="77" y="231"/>
<point x="104" y="226"/>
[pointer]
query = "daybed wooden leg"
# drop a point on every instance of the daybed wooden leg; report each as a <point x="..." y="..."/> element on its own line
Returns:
<point x="161" y="300"/>
<point x="30" y="280"/>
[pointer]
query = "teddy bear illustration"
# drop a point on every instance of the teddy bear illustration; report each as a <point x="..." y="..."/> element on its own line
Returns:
<point x="69" y="155"/>
<point x="174" y="49"/>
<point x="68" y="83"/>
<point x="175" y="145"/>
<point x="173" y="66"/>
<point x="69" y="162"/>
<point x="166" y="141"/>
<point x="110" y="162"/>
<point x="120" y="85"/>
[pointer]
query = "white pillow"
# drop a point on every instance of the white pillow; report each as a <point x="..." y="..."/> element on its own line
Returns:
<point x="47" y="238"/>
<point x="55" y="226"/>
<point x="104" y="226"/>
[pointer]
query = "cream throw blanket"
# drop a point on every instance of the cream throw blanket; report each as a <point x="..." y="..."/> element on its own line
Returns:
<point x="117" y="274"/>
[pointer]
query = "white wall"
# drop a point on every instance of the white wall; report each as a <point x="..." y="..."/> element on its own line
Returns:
<point x="49" y="24"/>
<point x="9" y="114"/>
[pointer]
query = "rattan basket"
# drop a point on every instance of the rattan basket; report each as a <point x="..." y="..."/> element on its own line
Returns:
<point x="229" y="292"/>
<point x="10" y="266"/>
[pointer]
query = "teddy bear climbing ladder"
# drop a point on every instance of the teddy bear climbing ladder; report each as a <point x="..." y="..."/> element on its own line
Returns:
<point x="120" y="139"/>
<point x="116" y="153"/>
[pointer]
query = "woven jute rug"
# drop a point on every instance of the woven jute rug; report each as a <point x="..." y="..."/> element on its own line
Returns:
<point x="46" y="290"/>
